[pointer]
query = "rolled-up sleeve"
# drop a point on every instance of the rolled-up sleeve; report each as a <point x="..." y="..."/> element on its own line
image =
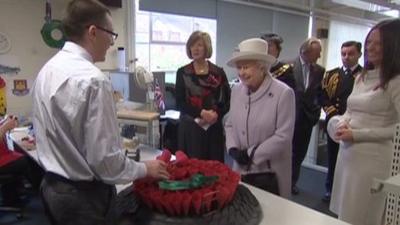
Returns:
<point x="102" y="142"/>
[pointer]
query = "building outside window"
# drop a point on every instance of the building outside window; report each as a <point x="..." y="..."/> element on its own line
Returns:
<point x="161" y="40"/>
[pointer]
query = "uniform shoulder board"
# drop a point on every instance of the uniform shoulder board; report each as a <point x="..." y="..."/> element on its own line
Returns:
<point x="330" y="74"/>
<point x="282" y="70"/>
<point x="332" y="71"/>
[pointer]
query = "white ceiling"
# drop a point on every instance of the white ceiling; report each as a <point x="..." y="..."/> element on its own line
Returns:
<point x="368" y="11"/>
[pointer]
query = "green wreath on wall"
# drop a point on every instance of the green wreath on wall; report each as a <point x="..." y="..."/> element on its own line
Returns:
<point x="53" y="34"/>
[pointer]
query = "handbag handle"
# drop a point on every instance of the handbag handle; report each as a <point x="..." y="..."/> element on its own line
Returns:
<point x="252" y="156"/>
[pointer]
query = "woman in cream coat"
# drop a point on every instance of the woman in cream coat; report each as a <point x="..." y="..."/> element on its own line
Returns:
<point x="262" y="114"/>
<point x="365" y="131"/>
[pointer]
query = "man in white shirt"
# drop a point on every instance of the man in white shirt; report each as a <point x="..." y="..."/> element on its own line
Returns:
<point x="76" y="124"/>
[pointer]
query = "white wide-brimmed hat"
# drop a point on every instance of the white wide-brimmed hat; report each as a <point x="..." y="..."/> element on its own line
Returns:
<point x="251" y="49"/>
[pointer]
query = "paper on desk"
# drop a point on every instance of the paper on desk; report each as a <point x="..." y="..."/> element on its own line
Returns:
<point x="171" y="114"/>
<point x="20" y="129"/>
<point x="204" y="126"/>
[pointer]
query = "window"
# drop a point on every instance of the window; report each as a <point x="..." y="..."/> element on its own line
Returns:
<point x="161" y="40"/>
<point x="340" y="32"/>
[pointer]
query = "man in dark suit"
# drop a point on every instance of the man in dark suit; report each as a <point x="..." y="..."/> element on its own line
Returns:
<point x="279" y="70"/>
<point x="337" y="86"/>
<point x="308" y="76"/>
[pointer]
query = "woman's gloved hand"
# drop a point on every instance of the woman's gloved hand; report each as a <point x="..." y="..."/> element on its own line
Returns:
<point x="239" y="155"/>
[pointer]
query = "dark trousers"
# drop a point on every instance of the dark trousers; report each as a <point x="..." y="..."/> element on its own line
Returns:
<point x="301" y="139"/>
<point x="199" y="143"/>
<point x="21" y="168"/>
<point x="69" y="202"/>
<point x="170" y="135"/>
<point x="333" y="149"/>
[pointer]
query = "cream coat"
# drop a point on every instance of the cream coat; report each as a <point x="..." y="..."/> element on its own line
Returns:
<point x="271" y="116"/>
<point x="373" y="115"/>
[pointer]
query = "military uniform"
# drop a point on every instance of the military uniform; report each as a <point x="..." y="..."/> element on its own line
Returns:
<point x="337" y="85"/>
<point x="284" y="73"/>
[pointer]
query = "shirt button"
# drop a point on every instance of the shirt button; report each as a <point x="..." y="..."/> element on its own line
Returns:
<point x="337" y="105"/>
<point x="243" y="133"/>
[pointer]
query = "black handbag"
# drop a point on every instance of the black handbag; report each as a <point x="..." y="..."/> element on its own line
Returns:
<point x="267" y="181"/>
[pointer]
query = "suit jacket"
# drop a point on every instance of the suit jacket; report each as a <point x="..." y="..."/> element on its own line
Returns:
<point x="308" y="100"/>
<point x="337" y="86"/>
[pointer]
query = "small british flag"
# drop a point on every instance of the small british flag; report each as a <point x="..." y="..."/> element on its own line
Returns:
<point x="158" y="97"/>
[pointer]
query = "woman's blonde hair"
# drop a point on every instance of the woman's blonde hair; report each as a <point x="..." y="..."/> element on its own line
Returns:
<point x="199" y="35"/>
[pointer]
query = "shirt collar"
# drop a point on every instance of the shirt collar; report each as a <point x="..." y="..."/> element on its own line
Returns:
<point x="77" y="49"/>
<point x="302" y="61"/>
<point x="351" y="68"/>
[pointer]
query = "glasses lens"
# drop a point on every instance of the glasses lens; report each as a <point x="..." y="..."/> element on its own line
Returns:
<point x="113" y="35"/>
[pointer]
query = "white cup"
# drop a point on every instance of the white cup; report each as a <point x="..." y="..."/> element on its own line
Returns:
<point x="121" y="59"/>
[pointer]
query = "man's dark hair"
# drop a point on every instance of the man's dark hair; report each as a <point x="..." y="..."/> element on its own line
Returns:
<point x="80" y="14"/>
<point x="274" y="38"/>
<point x="352" y="43"/>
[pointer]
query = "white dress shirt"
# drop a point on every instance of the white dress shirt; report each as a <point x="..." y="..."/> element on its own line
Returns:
<point x="75" y="121"/>
<point x="306" y="72"/>
<point x="351" y="68"/>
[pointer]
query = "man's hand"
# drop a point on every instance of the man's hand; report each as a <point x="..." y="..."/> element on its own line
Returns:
<point x="157" y="169"/>
<point x="10" y="123"/>
<point x="209" y="116"/>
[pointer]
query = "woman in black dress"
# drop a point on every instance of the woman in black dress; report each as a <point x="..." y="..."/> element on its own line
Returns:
<point x="202" y="97"/>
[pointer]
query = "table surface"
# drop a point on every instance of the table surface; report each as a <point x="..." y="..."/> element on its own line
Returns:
<point x="276" y="210"/>
<point x="17" y="135"/>
<point x="137" y="115"/>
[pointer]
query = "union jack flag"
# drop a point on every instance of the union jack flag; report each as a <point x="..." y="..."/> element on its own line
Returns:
<point x="158" y="97"/>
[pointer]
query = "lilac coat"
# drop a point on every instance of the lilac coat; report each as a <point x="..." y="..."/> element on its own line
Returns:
<point x="271" y="117"/>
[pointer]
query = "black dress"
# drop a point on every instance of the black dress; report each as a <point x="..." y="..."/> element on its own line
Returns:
<point x="194" y="93"/>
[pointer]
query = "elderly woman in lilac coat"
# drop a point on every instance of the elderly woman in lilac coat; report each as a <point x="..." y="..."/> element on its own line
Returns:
<point x="261" y="116"/>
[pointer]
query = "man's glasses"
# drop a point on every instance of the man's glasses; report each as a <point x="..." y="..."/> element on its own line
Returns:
<point x="113" y="34"/>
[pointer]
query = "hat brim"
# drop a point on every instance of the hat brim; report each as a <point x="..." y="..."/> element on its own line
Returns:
<point x="240" y="56"/>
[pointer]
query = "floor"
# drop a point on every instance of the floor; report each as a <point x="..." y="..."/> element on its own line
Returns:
<point x="33" y="214"/>
<point x="312" y="188"/>
<point x="311" y="185"/>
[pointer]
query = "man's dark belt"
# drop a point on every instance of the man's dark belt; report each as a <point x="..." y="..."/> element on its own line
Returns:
<point x="52" y="177"/>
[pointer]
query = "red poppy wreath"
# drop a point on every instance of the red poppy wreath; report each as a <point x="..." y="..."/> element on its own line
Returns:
<point x="195" y="186"/>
